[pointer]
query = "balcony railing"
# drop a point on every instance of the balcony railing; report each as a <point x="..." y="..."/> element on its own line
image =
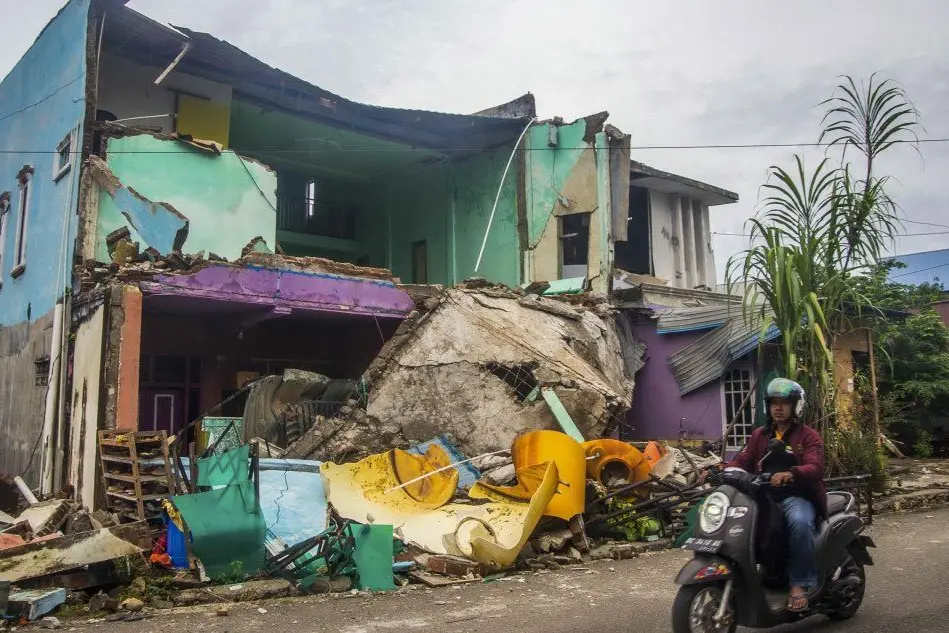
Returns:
<point x="316" y="218"/>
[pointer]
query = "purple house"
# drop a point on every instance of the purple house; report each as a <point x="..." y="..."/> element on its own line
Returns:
<point x="698" y="365"/>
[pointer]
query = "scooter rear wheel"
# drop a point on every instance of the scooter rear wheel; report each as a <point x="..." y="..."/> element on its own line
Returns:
<point x="694" y="607"/>
<point x="854" y="599"/>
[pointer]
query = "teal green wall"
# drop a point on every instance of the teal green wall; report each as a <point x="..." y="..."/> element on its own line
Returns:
<point x="418" y="206"/>
<point x="447" y="205"/>
<point x="227" y="200"/>
<point x="476" y="185"/>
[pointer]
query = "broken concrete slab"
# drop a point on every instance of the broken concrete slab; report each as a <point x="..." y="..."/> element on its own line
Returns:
<point x="46" y="517"/>
<point x="250" y="591"/>
<point x="34" y="560"/>
<point x="469" y="365"/>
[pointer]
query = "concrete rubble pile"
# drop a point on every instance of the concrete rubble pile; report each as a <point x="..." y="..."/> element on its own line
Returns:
<point x="52" y="549"/>
<point x="477" y="362"/>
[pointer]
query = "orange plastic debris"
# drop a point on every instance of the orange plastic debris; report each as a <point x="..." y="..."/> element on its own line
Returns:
<point x="614" y="462"/>
<point x="654" y="452"/>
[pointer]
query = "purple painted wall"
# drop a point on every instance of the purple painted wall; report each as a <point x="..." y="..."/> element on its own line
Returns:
<point x="657" y="407"/>
<point x="282" y="289"/>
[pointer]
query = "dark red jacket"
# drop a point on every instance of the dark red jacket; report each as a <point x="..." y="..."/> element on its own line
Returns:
<point x="808" y="447"/>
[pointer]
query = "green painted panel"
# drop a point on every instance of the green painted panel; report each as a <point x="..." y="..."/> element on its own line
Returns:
<point x="566" y="286"/>
<point x="211" y="191"/>
<point x="373" y="556"/>
<point x="560" y="413"/>
<point x="227" y="529"/>
<point x="547" y="171"/>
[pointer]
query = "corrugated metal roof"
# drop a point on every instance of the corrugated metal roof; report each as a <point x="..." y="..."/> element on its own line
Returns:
<point x="928" y="267"/>
<point x="707" y="358"/>
<point x="677" y="320"/>
<point x="634" y="350"/>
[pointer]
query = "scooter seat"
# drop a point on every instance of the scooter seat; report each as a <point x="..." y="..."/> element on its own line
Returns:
<point x="839" y="502"/>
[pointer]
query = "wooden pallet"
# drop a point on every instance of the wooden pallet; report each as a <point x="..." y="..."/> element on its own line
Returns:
<point x="127" y="481"/>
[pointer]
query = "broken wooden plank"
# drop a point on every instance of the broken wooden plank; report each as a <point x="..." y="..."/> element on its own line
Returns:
<point x="97" y="575"/>
<point x="34" y="560"/>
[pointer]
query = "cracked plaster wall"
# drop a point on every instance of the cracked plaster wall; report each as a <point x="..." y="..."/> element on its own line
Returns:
<point x="571" y="177"/>
<point x="223" y="200"/>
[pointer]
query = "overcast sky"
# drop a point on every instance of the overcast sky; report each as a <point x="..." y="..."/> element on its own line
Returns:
<point x="688" y="72"/>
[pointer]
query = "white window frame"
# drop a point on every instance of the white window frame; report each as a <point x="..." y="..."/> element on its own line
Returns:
<point x="309" y="197"/>
<point x="24" y="197"/>
<point x="61" y="169"/>
<point x="164" y="396"/>
<point x="4" y="214"/>
<point x="744" y="428"/>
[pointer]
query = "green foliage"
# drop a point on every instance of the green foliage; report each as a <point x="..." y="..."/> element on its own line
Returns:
<point x="816" y="231"/>
<point x="924" y="444"/>
<point x="912" y="356"/>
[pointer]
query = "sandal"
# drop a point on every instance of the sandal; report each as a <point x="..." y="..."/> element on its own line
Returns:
<point x="798" y="602"/>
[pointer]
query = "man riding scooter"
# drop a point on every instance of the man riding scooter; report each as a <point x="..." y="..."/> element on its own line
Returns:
<point x="798" y="480"/>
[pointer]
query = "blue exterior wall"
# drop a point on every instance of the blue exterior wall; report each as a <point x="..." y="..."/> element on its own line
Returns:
<point x="41" y="101"/>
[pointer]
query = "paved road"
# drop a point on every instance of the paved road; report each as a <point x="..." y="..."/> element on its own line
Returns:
<point x="906" y="591"/>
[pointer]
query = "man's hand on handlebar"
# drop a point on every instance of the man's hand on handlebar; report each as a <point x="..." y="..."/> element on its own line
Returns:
<point x="782" y="479"/>
<point x="707" y="472"/>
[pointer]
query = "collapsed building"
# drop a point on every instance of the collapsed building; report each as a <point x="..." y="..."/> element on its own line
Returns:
<point x="483" y="365"/>
<point x="217" y="220"/>
<point x="208" y="221"/>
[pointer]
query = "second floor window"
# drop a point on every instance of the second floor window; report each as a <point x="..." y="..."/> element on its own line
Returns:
<point x="25" y="178"/>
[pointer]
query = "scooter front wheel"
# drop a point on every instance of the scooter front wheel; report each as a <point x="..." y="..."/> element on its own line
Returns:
<point x="695" y="608"/>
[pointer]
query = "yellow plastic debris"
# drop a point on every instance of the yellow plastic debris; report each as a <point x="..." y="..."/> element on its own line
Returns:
<point x="491" y="533"/>
<point x="433" y="491"/>
<point x="539" y="447"/>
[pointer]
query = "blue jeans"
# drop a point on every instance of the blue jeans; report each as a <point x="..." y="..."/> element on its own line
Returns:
<point x="800" y="516"/>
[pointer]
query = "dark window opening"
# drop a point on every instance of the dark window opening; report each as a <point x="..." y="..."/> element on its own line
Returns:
<point x="234" y="408"/>
<point x="519" y="378"/>
<point x="635" y="254"/>
<point x="575" y="239"/>
<point x="420" y="262"/>
<point x="41" y="373"/>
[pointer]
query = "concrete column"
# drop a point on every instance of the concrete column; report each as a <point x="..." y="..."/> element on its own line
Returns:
<point x="677" y="245"/>
<point x="711" y="272"/>
<point x="702" y="239"/>
<point x="688" y="242"/>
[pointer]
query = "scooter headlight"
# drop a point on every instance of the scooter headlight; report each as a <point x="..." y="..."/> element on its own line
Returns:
<point x="713" y="512"/>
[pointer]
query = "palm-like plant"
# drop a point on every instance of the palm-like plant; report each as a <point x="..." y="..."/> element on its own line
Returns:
<point x="818" y="228"/>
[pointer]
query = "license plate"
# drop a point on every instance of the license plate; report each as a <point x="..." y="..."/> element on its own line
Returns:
<point x="703" y="545"/>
